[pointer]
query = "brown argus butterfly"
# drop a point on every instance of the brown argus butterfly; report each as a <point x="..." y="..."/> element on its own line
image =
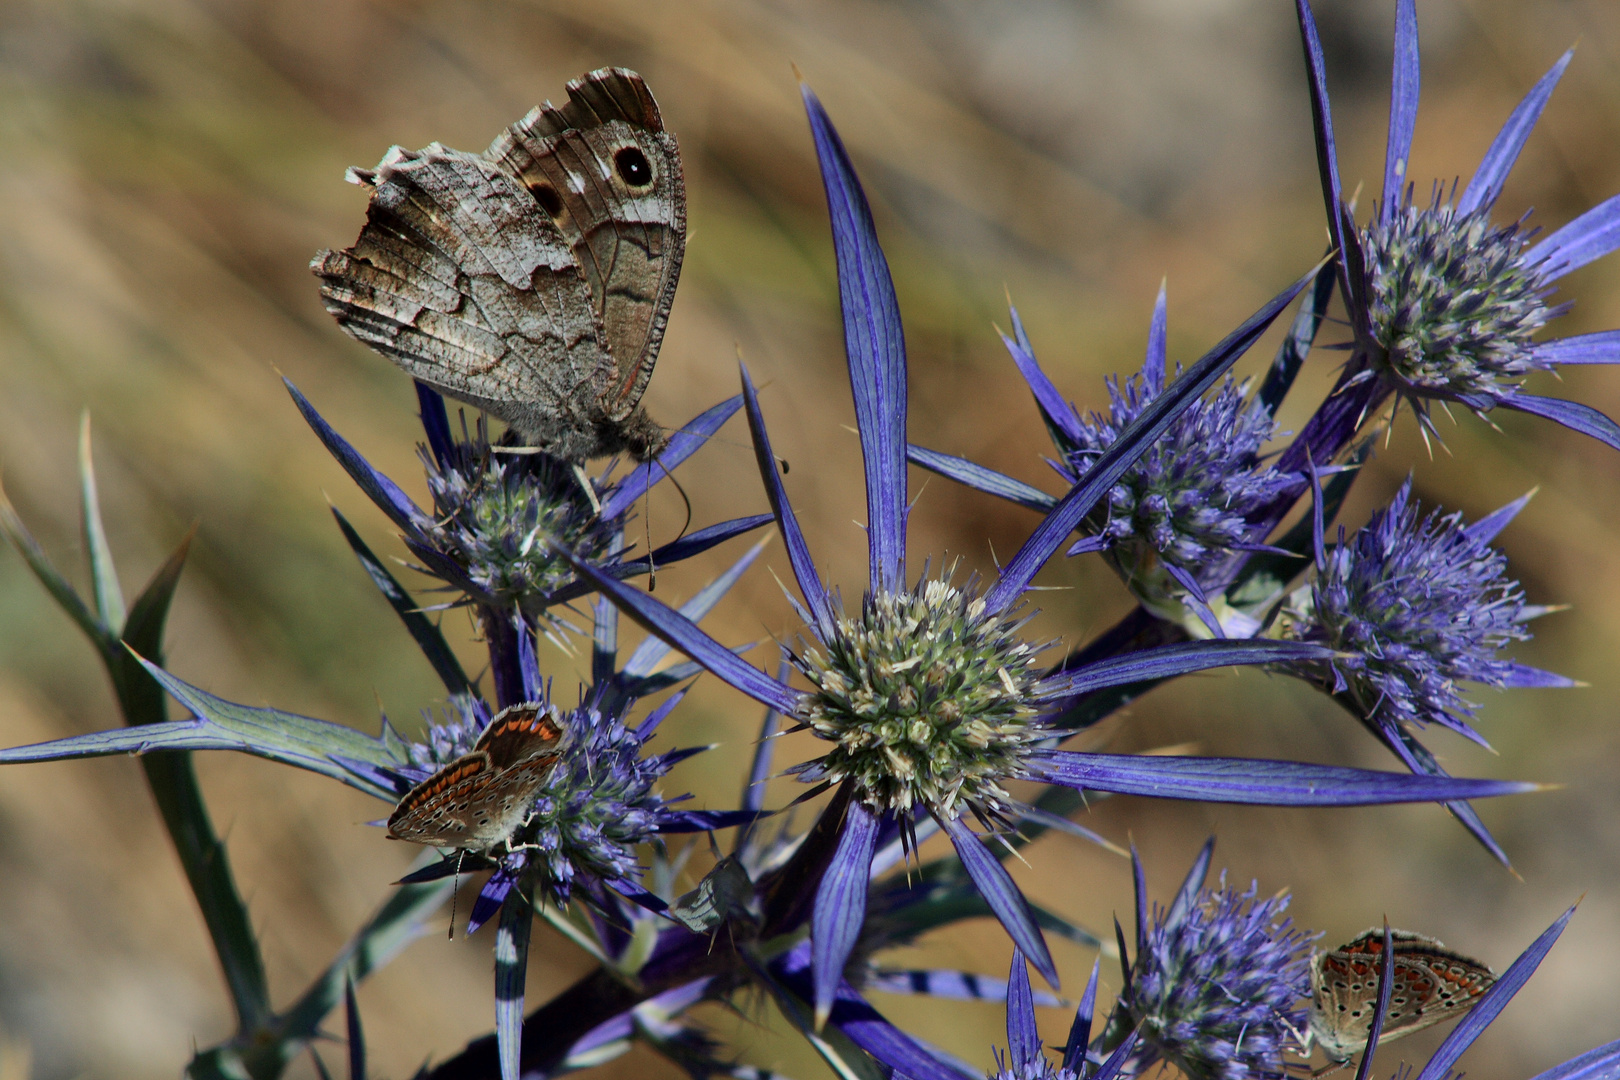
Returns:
<point x="477" y="801"/>
<point x="1431" y="984"/>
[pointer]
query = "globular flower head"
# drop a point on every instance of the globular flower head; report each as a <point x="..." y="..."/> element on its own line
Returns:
<point x="501" y="518"/>
<point x="1443" y="304"/>
<point x="1218" y="981"/>
<point x="1415" y="603"/>
<point x="1186" y="501"/>
<point x="1453" y="301"/>
<point x="928" y="698"/>
<point x="505" y="521"/>
<point x="600" y="803"/>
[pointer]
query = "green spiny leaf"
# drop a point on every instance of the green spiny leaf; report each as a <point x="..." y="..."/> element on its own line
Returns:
<point x="109" y="596"/>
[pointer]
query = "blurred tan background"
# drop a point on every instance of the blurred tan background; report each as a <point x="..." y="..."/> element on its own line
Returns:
<point x="167" y="168"/>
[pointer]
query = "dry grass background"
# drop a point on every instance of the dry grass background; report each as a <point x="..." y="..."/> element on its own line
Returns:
<point x="168" y="167"/>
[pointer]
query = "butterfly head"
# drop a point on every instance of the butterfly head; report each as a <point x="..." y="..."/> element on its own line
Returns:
<point x="640" y="436"/>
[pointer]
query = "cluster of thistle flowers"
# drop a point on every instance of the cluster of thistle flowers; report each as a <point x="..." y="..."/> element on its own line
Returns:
<point x="929" y="698"/>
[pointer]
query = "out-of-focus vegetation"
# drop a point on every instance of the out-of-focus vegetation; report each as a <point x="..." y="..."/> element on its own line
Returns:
<point x="168" y="168"/>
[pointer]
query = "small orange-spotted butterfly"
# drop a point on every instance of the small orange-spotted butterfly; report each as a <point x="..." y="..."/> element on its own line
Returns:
<point x="1431" y="984"/>
<point x="477" y="801"/>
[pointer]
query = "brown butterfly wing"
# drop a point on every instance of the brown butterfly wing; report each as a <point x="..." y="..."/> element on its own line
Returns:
<point x="519" y="733"/>
<point x="609" y="175"/>
<point x="1431" y="984"/>
<point x="462" y="280"/>
<point x="1344" y="988"/>
<point x="1434" y="984"/>
<point x="471" y="803"/>
<point x="440" y="810"/>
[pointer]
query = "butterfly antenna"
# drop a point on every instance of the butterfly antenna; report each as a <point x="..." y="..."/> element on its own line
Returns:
<point x="646" y="524"/>
<point x="455" y="891"/>
<point x="687" y="524"/>
<point x="652" y="570"/>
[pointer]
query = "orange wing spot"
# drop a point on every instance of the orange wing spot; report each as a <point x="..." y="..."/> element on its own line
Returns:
<point x="530" y="725"/>
<point x="457" y="774"/>
<point x="448" y="777"/>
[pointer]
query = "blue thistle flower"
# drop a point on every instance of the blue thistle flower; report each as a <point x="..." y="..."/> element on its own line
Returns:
<point x="1452" y="300"/>
<point x="1218" y="981"/>
<point x="1443" y="304"/>
<point x="1185" y="500"/>
<point x="929" y="696"/>
<point x="1187" y="503"/>
<point x="1413" y="605"/>
<point x="599" y="803"/>
<point x="499" y="518"/>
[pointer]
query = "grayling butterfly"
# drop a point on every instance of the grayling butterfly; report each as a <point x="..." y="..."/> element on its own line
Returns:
<point x="534" y="280"/>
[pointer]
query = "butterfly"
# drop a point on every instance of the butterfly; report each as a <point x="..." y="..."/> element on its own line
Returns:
<point x="1431" y="984"/>
<point x="479" y="800"/>
<point x="532" y="281"/>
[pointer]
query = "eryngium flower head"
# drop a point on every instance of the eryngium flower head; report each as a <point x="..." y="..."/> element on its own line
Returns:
<point x="600" y="803"/>
<point x="504" y="521"/>
<point x="1186" y="500"/>
<point x="503" y="517"/>
<point x="1218" y="982"/>
<point x="1417" y="603"/>
<point x="1453" y="301"/>
<point x="927" y="697"/>
<point x="1442" y="304"/>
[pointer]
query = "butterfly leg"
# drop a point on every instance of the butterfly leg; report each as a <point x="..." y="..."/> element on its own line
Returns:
<point x="590" y="489"/>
